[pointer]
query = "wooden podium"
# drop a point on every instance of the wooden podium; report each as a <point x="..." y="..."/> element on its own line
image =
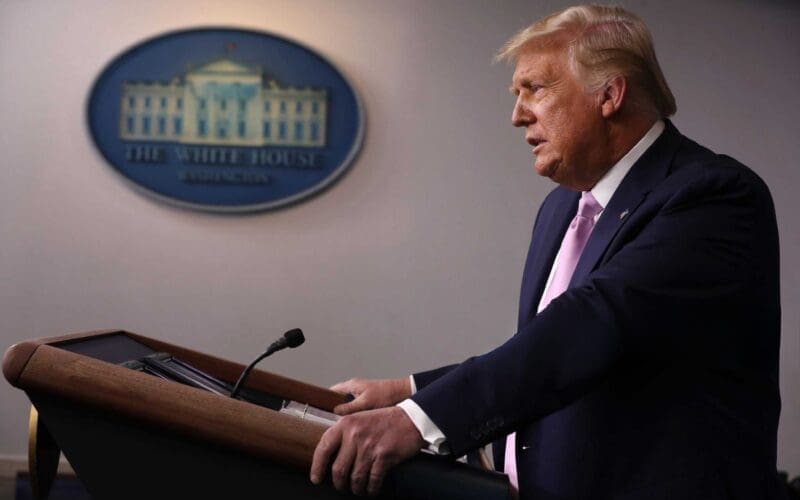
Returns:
<point x="131" y="435"/>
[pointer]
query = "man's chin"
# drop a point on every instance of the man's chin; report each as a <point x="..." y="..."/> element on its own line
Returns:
<point x="545" y="170"/>
<point x="553" y="173"/>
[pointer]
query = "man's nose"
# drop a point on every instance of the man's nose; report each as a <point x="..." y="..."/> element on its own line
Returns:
<point x="521" y="115"/>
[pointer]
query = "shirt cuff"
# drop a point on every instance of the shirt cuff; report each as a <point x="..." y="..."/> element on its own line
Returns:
<point x="427" y="429"/>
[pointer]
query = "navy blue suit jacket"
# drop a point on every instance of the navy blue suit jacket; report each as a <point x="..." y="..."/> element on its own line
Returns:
<point x="655" y="375"/>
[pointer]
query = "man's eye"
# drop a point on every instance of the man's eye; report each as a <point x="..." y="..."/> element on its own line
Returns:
<point x="528" y="88"/>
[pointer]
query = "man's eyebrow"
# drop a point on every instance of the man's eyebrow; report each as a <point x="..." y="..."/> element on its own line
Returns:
<point x="521" y="81"/>
<point x="526" y="82"/>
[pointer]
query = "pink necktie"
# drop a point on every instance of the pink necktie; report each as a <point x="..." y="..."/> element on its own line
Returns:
<point x="571" y="248"/>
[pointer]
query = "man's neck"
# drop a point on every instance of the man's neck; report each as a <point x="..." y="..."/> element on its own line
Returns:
<point x="624" y="136"/>
<point x="604" y="189"/>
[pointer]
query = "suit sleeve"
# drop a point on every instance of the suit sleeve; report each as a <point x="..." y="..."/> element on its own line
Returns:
<point x="681" y="281"/>
<point x="423" y="379"/>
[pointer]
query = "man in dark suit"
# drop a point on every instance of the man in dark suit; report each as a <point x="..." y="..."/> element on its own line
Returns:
<point x="645" y="364"/>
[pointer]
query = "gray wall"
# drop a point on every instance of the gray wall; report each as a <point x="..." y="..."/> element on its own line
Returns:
<point x="414" y="258"/>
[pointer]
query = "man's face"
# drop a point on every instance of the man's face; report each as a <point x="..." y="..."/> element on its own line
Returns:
<point x="562" y="121"/>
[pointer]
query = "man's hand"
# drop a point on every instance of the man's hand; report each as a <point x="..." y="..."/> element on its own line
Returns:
<point x="371" y="394"/>
<point x="368" y="445"/>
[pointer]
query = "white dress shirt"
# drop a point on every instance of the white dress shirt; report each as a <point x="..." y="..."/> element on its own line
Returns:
<point x="602" y="192"/>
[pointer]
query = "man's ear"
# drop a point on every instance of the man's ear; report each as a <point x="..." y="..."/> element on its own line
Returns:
<point x="612" y="95"/>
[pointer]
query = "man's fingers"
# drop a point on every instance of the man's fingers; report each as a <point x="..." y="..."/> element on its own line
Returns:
<point x="327" y="446"/>
<point x="359" y="477"/>
<point x="371" y="394"/>
<point x="340" y="470"/>
<point x="344" y="409"/>
<point x="368" y="444"/>
<point x="351" y="386"/>
<point x="358" y="404"/>
<point x="376" y="474"/>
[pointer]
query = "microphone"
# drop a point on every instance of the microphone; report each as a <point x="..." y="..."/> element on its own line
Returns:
<point x="293" y="338"/>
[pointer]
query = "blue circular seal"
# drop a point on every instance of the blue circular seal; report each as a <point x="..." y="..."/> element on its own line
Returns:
<point x="225" y="120"/>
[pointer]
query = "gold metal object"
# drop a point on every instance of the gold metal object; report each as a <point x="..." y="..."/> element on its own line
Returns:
<point x="484" y="459"/>
<point x="43" y="455"/>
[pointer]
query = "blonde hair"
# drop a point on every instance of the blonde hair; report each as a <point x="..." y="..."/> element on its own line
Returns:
<point x="603" y="42"/>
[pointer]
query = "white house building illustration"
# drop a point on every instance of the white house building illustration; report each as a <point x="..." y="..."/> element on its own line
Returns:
<point x="223" y="103"/>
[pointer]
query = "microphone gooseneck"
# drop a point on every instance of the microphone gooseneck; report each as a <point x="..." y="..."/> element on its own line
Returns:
<point x="293" y="338"/>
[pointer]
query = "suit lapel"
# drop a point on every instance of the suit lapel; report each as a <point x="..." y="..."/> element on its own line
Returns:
<point x="648" y="171"/>
<point x="545" y="242"/>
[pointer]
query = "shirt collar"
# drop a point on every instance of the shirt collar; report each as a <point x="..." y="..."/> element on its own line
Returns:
<point x="605" y="187"/>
